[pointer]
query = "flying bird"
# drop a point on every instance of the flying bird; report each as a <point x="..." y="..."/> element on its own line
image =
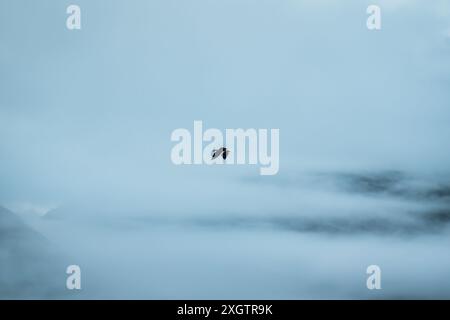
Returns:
<point x="221" y="151"/>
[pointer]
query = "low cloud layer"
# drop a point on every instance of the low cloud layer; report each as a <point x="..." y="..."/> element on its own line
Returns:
<point x="85" y="170"/>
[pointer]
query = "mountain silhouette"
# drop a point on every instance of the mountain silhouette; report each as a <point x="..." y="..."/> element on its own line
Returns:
<point x="31" y="267"/>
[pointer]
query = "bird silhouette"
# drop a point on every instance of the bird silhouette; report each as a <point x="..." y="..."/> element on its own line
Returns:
<point x="221" y="151"/>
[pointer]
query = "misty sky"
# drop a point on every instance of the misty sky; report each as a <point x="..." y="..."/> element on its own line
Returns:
<point x="86" y="115"/>
<point x="90" y="112"/>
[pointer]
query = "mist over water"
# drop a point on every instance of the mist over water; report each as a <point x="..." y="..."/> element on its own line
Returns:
<point x="85" y="170"/>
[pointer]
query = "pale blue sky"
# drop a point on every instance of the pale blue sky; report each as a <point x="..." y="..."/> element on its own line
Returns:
<point x="90" y="112"/>
<point x="85" y="124"/>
